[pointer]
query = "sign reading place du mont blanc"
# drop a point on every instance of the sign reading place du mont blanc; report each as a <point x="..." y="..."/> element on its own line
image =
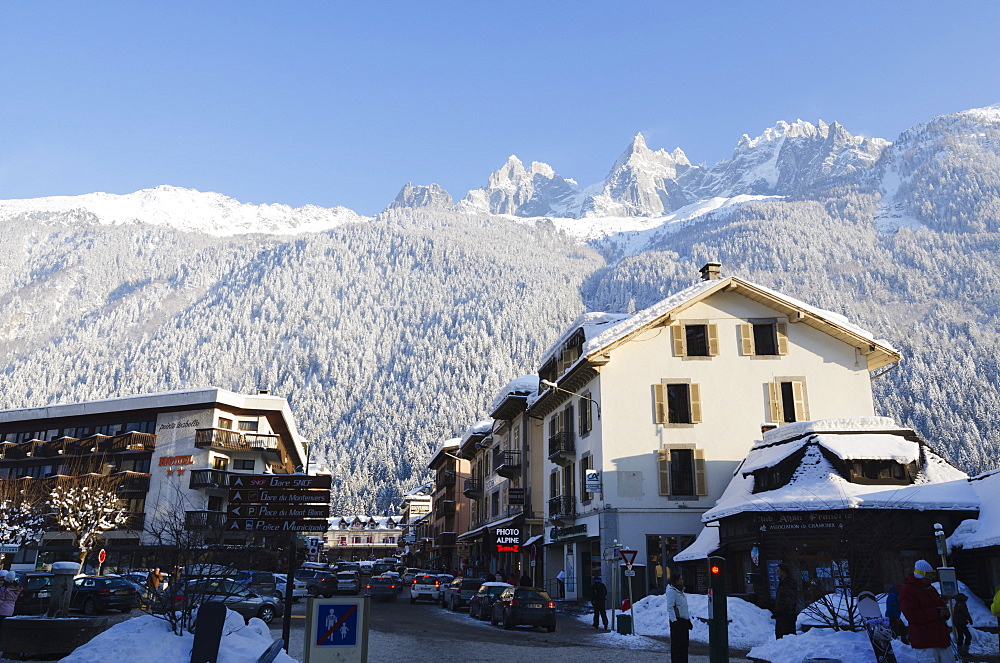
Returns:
<point x="278" y="503"/>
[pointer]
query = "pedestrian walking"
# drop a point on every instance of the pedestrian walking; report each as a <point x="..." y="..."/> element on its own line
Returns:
<point x="10" y="590"/>
<point x="961" y="619"/>
<point x="926" y="616"/>
<point x="561" y="579"/>
<point x="680" y="619"/>
<point x="153" y="581"/>
<point x="599" y="600"/>
<point x="894" y="614"/>
<point x="526" y="580"/>
<point x="786" y="603"/>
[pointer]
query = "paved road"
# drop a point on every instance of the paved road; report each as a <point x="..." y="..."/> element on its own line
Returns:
<point x="426" y="633"/>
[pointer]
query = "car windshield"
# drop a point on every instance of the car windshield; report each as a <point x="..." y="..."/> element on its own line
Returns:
<point x="495" y="591"/>
<point x="530" y="595"/>
<point x="37" y="582"/>
<point x="471" y="584"/>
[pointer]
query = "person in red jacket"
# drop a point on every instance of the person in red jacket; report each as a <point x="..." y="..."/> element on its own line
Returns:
<point x="927" y="616"/>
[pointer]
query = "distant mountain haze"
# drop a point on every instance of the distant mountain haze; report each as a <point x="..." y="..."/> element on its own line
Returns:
<point x="391" y="333"/>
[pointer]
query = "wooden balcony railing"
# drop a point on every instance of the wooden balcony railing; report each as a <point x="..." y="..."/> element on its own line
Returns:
<point x="223" y="438"/>
<point x="195" y="520"/>
<point x="209" y="479"/>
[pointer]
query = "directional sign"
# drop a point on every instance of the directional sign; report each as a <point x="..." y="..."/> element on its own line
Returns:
<point x="279" y="512"/>
<point x="280" y="525"/>
<point x="245" y="496"/>
<point x="283" y="481"/>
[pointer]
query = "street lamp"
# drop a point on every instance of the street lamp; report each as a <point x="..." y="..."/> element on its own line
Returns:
<point x="553" y="385"/>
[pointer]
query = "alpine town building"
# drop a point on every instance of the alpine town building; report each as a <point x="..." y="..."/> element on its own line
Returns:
<point x="168" y="455"/>
<point x="644" y="418"/>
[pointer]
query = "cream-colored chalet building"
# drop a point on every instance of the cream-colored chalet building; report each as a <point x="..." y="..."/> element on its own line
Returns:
<point x="665" y="403"/>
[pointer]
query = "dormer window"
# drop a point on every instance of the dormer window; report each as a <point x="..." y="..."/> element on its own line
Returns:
<point x="880" y="472"/>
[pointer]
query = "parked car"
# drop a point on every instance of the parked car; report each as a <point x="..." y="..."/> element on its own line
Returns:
<point x="349" y="566"/>
<point x="34" y="599"/>
<point x="383" y="587"/>
<point x="426" y="588"/>
<point x="298" y="587"/>
<point x="235" y="594"/>
<point x="518" y="606"/>
<point x="349" y="582"/>
<point x="262" y="582"/>
<point x="459" y="591"/>
<point x="481" y="604"/>
<point x="366" y="566"/>
<point x="410" y="573"/>
<point x="318" y="583"/>
<point x="95" y="594"/>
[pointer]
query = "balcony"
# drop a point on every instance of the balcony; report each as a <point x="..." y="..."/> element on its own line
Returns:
<point x="508" y="464"/>
<point x="135" y="522"/>
<point x="445" y="508"/>
<point x="216" y="479"/>
<point x="223" y="438"/>
<point x="444" y="539"/>
<point x="446" y="478"/>
<point x="132" y="482"/>
<point x="473" y="489"/>
<point x="195" y="520"/>
<point x="562" y="448"/>
<point x="562" y="509"/>
<point x="131" y="441"/>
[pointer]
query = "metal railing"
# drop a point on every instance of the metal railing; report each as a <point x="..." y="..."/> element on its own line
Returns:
<point x="562" y="506"/>
<point x="473" y="489"/>
<point x="208" y="479"/>
<point x="562" y="443"/>
<point x="507" y="464"/>
<point x="204" y="519"/>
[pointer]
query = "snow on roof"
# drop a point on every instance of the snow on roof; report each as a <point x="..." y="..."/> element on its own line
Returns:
<point x="817" y="485"/>
<point x="381" y="522"/>
<point x="521" y="386"/>
<point x="593" y="324"/>
<point x="420" y="491"/>
<point x="483" y="427"/>
<point x="706" y="544"/>
<point x="985" y="531"/>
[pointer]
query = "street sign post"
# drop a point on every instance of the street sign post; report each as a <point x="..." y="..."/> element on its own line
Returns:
<point x="628" y="556"/>
<point x="337" y="630"/>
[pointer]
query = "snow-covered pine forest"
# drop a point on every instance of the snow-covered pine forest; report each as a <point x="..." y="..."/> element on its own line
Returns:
<point x="388" y="335"/>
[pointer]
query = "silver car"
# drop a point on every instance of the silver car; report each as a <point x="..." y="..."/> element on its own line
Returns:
<point x="348" y="582"/>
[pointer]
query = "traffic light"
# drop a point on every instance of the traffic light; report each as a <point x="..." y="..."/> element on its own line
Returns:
<point x="718" y="627"/>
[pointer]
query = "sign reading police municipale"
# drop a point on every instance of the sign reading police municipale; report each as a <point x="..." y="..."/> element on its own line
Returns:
<point x="278" y="503"/>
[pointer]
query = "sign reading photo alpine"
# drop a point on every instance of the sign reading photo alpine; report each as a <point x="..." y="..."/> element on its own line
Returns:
<point x="508" y="539"/>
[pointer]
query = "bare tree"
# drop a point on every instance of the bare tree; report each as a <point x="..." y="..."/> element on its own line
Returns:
<point x="87" y="506"/>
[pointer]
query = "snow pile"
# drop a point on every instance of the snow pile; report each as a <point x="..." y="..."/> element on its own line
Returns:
<point x="749" y="625"/>
<point x="147" y="639"/>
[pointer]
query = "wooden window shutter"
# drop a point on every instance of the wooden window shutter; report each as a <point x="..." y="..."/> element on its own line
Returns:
<point x="700" y="479"/>
<point x="695" y="395"/>
<point x="799" y="393"/>
<point x="746" y="339"/>
<point x="677" y="332"/>
<point x="713" y="340"/>
<point x="774" y="395"/>
<point x="663" y="461"/>
<point x="781" y="329"/>
<point x="660" y="405"/>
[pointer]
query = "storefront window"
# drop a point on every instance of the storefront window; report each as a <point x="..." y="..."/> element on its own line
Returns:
<point x="660" y="551"/>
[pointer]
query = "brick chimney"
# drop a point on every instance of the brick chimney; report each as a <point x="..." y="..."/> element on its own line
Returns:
<point x="711" y="271"/>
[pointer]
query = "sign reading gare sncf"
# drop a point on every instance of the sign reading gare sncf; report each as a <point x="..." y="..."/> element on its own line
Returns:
<point x="509" y="539"/>
<point x="278" y="503"/>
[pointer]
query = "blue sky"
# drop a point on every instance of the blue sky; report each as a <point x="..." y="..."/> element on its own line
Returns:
<point x="333" y="103"/>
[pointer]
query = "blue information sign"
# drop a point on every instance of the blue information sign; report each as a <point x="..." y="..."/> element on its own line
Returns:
<point x="337" y="625"/>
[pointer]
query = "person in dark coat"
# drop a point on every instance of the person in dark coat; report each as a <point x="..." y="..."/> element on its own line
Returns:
<point x="786" y="603"/>
<point x="894" y="614"/>
<point x="961" y="618"/>
<point x="926" y="614"/>
<point x="526" y="580"/>
<point x="599" y="599"/>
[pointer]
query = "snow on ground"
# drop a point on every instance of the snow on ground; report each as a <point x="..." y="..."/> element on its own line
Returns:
<point x="749" y="624"/>
<point x="148" y="639"/>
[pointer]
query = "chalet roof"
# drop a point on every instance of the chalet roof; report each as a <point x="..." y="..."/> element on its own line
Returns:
<point x="448" y="448"/>
<point x="817" y="485"/>
<point x="520" y="386"/>
<point x="381" y="521"/>
<point x="604" y="331"/>
<point x="983" y="532"/>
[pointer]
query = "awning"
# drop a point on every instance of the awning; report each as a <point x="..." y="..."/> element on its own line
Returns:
<point x="496" y="523"/>
<point x="706" y="544"/>
<point x="534" y="539"/>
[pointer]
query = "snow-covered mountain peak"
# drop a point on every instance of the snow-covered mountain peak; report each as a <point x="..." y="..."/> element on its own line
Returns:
<point x="430" y="195"/>
<point x="176" y="207"/>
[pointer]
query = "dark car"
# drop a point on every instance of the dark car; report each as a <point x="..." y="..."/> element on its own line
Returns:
<point x="519" y="606"/>
<point x="349" y="582"/>
<point x="262" y="582"/>
<point x="94" y="594"/>
<point x="34" y="599"/>
<point x="457" y="593"/>
<point x="481" y="603"/>
<point x="383" y="587"/>
<point x="318" y="583"/>
<point x="235" y="594"/>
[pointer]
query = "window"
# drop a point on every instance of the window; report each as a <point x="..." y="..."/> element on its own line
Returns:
<point x="568" y="480"/>
<point x="248" y="426"/>
<point x="764" y="338"/>
<point x="389" y="540"/>
<point x="495" y="503"/>
<point x="220" y="463"/>
<point x="356" y="540"/>
<point x="787" y="397"/>
<point x="554" y="484"/>
<point x="243" y="464"/>
<point x="226" y="424"/>
<point x="586" y="463"/>
<point x="695" y="340"/>
<point x="677" y="402"/>
<point x="215" y="503"/>
<point x="682" y="471"/>
<point x="586" y="406"/>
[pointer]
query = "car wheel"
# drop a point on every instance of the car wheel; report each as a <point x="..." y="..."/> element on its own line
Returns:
<point x="312" y="592"/>
<point x="550" y="629"/>
<point x="90" y="607"/>
<point x="508" y="623"/>
<point x="266" y="614"/>
<point x="493" y="619"/>
<point x="471" y="613"/>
